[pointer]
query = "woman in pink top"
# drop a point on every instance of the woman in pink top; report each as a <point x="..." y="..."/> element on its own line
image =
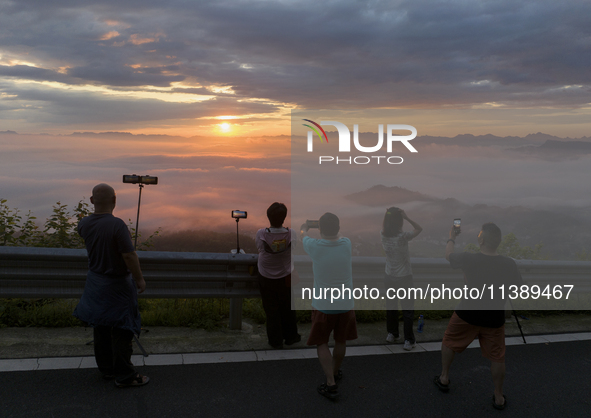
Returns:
<point x="274" y="265"/>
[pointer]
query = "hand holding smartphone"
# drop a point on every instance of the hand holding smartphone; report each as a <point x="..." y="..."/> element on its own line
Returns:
<point x="457" y="226"/>
<point x="313" y="224"/>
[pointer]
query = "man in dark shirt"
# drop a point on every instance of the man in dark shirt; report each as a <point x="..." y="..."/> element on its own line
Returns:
<point x="109" y="302"/>
<point x="483" y="318"/>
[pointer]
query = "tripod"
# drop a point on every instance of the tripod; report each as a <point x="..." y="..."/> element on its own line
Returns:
<point x="137" y="221"/>
<point x="517" y="319"/>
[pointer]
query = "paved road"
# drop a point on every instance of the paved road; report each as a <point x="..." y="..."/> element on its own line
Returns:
<point x="543" y="380"/>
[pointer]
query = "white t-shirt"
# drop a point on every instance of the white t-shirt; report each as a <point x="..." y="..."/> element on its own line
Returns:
<point x="397" y="254"/>
<point x="275" y="257"/>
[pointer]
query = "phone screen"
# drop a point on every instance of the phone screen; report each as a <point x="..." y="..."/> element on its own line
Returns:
<point x="240" y="214"/>
<point x="312" y="224"/>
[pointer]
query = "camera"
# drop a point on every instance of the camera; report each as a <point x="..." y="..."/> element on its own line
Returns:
<point x="239" y="214"/>
<point x="457" y="224"/>
<point x="134" y="179"/>
<point x="313" y="224"/>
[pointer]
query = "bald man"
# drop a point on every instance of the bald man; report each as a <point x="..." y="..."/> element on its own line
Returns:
<point x="109" y="302"/>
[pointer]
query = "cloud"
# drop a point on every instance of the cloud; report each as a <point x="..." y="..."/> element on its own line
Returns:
<point x="123" y="75"/>
<point x="93" y="110"/>
<point x="196" y="188"/>
<point x="148" y="66"/>
<point x="28" y="72"/>
<point x="342" y="54"/>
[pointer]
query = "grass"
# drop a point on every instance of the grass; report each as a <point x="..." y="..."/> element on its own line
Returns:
<point x="209" y="314"/>
<point x="37" y="313"/>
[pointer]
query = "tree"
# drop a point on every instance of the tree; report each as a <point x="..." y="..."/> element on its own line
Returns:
<point x="61" y="227"/>
<point x="58" y="231"/>
<point x="9" y="224"/>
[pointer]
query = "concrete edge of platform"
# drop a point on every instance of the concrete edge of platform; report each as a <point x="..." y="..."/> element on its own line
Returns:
<point x="57" y="363"/>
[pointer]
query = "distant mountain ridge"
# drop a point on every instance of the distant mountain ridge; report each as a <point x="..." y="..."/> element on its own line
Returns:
<point x="555" y="150"/>
<point x="381" y="195"/>
<point x="489" y="139"/>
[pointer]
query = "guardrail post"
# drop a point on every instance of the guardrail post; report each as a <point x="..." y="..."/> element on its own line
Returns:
<point x="235" y="313"/>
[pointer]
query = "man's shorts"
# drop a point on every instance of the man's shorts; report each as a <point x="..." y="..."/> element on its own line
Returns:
<point x="459" y="334"/>
<point x="343" y="325"/>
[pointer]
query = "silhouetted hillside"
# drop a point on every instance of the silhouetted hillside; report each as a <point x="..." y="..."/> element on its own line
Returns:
<point x="381" y="195"/>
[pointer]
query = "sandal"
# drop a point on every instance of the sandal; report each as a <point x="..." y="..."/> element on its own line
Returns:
<point x="338" y="376"/>
<point x="497" y="406"/>
<point x="137" y="380"/>
<point x="330" y="392"/>
<point x="441" y="386"/>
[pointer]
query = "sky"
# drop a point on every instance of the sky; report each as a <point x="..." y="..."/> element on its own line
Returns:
<point x="201" y="93"/>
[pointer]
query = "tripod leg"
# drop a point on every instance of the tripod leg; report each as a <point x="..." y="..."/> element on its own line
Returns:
<point x="517" y="319"/>
<point x="519" y="325"/>
<point x="140" y="346"/>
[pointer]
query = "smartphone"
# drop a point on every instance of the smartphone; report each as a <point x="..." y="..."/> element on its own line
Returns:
<point x="313" y="224"/>
<point x="239" y="214"/>
<point x="457" y="225"/>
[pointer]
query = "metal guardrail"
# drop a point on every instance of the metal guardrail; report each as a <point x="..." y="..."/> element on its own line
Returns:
<point x="61" y="273"/>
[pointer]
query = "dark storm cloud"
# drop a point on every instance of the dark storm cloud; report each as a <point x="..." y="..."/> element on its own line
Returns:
<point x="33" y="73"/>
<point x="124" y="76"/>
<point x="344" y="54"/>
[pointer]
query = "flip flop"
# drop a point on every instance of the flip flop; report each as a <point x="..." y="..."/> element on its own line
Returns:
<point x="137" y="380"/>
<point x="441" y="386"/>
<point x="499" y="407"/>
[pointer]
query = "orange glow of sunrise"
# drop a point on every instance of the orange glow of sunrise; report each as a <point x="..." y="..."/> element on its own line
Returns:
<point x="227" y="117"/>
<point x="224" y="127"/>
<point x="109" y="35"/>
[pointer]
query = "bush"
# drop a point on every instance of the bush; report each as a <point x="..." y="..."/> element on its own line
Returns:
<point x="37" y="313"/>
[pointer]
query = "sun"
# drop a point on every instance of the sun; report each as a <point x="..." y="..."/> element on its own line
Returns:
<point x="224" y="127"/>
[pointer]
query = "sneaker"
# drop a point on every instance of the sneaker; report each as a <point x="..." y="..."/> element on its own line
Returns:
<point x="391" y="338"/>
<point x="408" y="345"/>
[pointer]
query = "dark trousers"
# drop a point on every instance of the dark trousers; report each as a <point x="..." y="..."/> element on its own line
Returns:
<point x="407" y="305"/>
<point x="281" y="320"/>
<point x="112" y="351"/>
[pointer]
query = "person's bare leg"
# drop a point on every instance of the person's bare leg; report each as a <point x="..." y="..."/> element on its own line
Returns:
<point x="326" y="362"/>
<point x="498" y="375"/>
<point x="447" y="356"/>
<point x="338" y="354"/>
